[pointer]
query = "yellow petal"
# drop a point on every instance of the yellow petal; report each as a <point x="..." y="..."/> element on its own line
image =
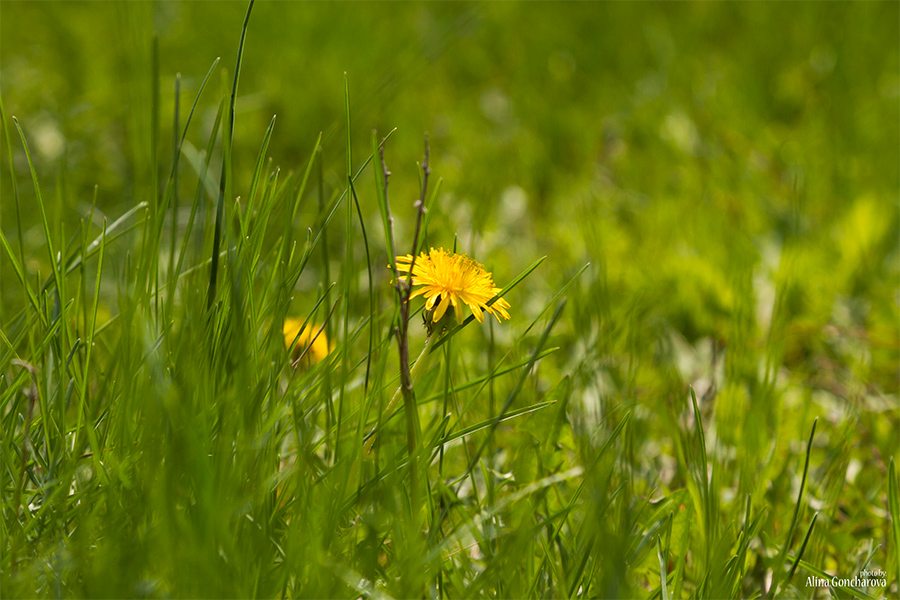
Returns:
<point x="476" y="310"/>
<point x="441" y="309"/>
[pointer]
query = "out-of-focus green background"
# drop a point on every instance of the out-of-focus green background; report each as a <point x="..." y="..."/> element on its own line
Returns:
<point x="678" y="147"/>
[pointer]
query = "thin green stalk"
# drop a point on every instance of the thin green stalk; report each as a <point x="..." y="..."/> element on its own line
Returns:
<point x="91" y="332"/>
<point x="347" y="276"/>
<point x="417" y="370"/>
<point x="176" y="154"/>
<point x="225" y="181"/>
<point x="894" y="510"/>
<point x="796" y="516"/>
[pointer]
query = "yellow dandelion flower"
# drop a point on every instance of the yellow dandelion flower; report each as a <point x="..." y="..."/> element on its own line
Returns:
<point x="448" y="279"/>
<point x="320" y="347"/>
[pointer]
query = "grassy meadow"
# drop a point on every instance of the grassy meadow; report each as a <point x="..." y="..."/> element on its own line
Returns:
<point x="214" y="383"/>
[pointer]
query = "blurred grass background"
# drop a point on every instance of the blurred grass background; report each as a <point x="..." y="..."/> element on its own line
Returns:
<point x="730" y="171"/>
<point x="703" y="135"/>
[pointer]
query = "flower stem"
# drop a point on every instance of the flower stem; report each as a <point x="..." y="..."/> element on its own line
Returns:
<point x="412" y="414"/>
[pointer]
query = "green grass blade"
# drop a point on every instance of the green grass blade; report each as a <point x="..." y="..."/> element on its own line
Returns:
<point x="202" y="183"/>
<point x="484" y="378"/>
<point x="226" y="178"/>
<point x="429" y="213"/>
<point x="819" y="573"/>
<point x="800" y="552"/>
<point x="347" y="275"/>
<point x="797" y="506"/>
<point x="663" y="570"/>
<point x="384" y="205"/>
<point x="452" y="437"/>
<point x="13" y="179"/>
<point x="93" y="248"/>
<point x="20" y="273"/>
<point x="82" y="393"/>
<point x="515" y="392"/>
<point x="894" y="509"/>
<point x="54" y="259"/>
<point x="257" y="173"/>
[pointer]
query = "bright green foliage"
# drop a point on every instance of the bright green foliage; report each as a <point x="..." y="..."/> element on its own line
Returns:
<point x="693" y="211"/>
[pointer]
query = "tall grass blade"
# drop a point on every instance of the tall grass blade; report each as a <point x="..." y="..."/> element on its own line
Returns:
<point x="894" y="509"/>
<point x="225" y="180"/>
<point x="797" y="506"/>
<point x="663" y="570"/>
<point x="54" y="258"/>
<point x="800" y="552"/>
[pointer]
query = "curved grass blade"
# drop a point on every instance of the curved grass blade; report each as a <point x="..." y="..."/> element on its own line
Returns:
<point x="489" y="422"/>
<point x="362" y="226"/>
<point x="802" y="548"/>
<point x="54" y="261"/>
<point x="795" y="518"/>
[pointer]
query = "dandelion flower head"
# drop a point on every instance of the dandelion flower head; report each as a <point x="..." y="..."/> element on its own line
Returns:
<point x="447" y="279"/>
<point x="320" y="347"/>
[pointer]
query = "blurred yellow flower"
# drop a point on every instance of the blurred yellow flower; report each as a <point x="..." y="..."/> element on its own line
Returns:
<point x="320" y="347"/>
<point x="448" y="279"/>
